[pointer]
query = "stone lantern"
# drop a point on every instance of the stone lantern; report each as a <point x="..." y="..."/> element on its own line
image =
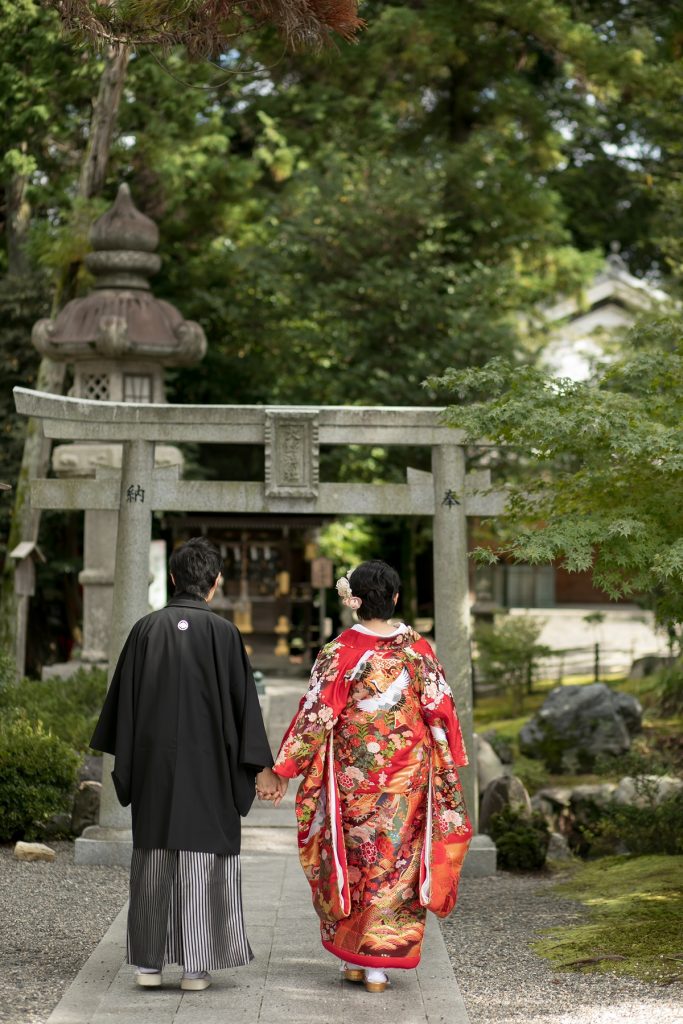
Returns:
<point x="118" y="338"/>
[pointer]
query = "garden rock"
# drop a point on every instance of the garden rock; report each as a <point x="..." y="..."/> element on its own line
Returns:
<point x="57" y="827"/>
<point x="86" y="808"/>
<point x="558" y="848"/>
<point x="578" y="723"/>
<point x="647" y="790"/>
<point x="489" y="765"/>
<point x="630" y="710"/>
<point x="648" y="665"/>
<point x="553" y="802"/>
<point x="500" y="745"/>
<point x="586" y="806"/>
<point x="506" y="791"/>
<point x="91" y="769"/>
<point x="596" y="795"/>
<point x="34" y="851"/>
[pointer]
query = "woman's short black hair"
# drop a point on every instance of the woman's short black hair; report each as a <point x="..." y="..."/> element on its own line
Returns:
<point x="194" y="566"/>
<point x="375" y="583"/>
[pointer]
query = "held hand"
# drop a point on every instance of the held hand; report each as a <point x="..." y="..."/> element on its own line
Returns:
<point x="282" y="789"/>
<point x="267" y="786"/>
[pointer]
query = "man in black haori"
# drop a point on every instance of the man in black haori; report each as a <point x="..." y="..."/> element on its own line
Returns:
<point x="183" y="721"/>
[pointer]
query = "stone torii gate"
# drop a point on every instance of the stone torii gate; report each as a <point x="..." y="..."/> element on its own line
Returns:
<point x="292" y="437"/>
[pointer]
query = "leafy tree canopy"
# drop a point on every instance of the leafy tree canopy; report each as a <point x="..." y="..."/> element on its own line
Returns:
<point x="345" y="225"/>
<point x="603" y="490"/>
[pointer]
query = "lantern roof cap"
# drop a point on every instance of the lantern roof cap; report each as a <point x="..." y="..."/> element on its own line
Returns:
<point x="123" y="226"/>
<point x="120" y="318"/>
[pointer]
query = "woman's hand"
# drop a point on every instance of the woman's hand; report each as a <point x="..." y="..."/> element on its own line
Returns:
<point x="282" y="789"/>
<point x="270" y="786"/>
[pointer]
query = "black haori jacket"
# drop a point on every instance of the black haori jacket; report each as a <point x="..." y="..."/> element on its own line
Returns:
<point x="183" y="721"/>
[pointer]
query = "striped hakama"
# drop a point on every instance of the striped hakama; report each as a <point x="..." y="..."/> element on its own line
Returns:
<point x="186" y="908"/>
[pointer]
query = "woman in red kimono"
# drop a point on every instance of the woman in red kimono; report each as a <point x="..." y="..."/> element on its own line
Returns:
<point x="383" y="829"/>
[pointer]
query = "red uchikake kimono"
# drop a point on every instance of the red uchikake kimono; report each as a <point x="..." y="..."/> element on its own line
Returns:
<point x="383" y="829"/>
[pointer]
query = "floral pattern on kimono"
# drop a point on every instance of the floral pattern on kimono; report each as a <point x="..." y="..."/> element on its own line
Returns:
<point x="383" y="829"/>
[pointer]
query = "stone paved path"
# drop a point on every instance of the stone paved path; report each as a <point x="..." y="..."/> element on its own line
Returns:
<point x="292" y="980"/>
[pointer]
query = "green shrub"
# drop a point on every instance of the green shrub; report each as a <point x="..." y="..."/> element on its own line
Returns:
<point x="533" y="774"/>
<point x="7" y="670"/>
<point x="37" y="776"/>
<point x="522" y="841"/>
<point x="508" y="655"/>
<point x="68" y="708"/>
<point x="640" y="760"/>
<point x="671" y="690"/>
<point x="649" y="829"/>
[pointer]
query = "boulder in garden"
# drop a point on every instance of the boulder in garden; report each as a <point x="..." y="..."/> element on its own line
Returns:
<point x="576" y="724"/>
<point x="553" y="802"/>
<point x="506" y="791"/>
<point x="33" y="851"/>
<point x="647" y="790"/>
<point x="558" y="848"/>
<point x="86" y="807"/>
<point x="489" y="765"/>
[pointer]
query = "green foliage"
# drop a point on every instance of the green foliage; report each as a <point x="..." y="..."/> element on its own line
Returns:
<point x="671" y="689"/>
<point x="47" y="90"/>
<point x="635" y="914"/>
<point x="22" y="302"/>
<point x="344" y="226"/>
<point x="508" y="653"/>
<point x="642" y="759"/>
<point x="348" y="541"/>
<point x="603" y="488"/>
<point x="37" y="776"/>
<point x="66" y="708"/>
<point x="522" y="841"/>
<point x="204" y="27"/>
<point x="644" y="828"/>
<point x="533" y="774"/>
<point x="7" y="672"/>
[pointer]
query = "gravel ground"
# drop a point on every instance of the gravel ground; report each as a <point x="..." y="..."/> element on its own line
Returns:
<point x="504" y="982"/>
<point x="53" y="915"/>
<point x="51" y="918"/>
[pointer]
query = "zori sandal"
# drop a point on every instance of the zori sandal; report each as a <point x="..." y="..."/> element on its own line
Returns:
<point x="352" y="973"/>
<point x="375" y="980"/>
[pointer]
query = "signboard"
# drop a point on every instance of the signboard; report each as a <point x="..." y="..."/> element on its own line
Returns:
<point x="322" y="573"/>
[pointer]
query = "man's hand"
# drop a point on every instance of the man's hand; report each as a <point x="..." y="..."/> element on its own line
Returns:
<point x="270" y="786"/>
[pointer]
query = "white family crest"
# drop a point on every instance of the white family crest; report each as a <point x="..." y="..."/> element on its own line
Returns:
<point x="183" y="624"/>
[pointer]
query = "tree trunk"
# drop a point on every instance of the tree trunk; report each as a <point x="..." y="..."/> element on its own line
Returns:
<point x="95" y="161"/>
<point x="36" y="457"/>
<point x="18" y="220"/>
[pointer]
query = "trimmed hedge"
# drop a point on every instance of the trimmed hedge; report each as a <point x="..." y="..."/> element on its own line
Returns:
<point x="69" y="708"/>
<point x="37" y="776"/>
<point x="522" y="841"/>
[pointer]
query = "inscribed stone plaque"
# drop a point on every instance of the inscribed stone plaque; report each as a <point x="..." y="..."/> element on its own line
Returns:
<point x="292" y="454"/>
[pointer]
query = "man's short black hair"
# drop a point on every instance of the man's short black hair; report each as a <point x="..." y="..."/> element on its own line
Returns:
<point x="375" y="583"/>
<point x="194" y="566"/>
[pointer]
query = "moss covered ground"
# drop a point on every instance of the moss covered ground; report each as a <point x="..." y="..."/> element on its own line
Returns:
<point x="634" y="921"/>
